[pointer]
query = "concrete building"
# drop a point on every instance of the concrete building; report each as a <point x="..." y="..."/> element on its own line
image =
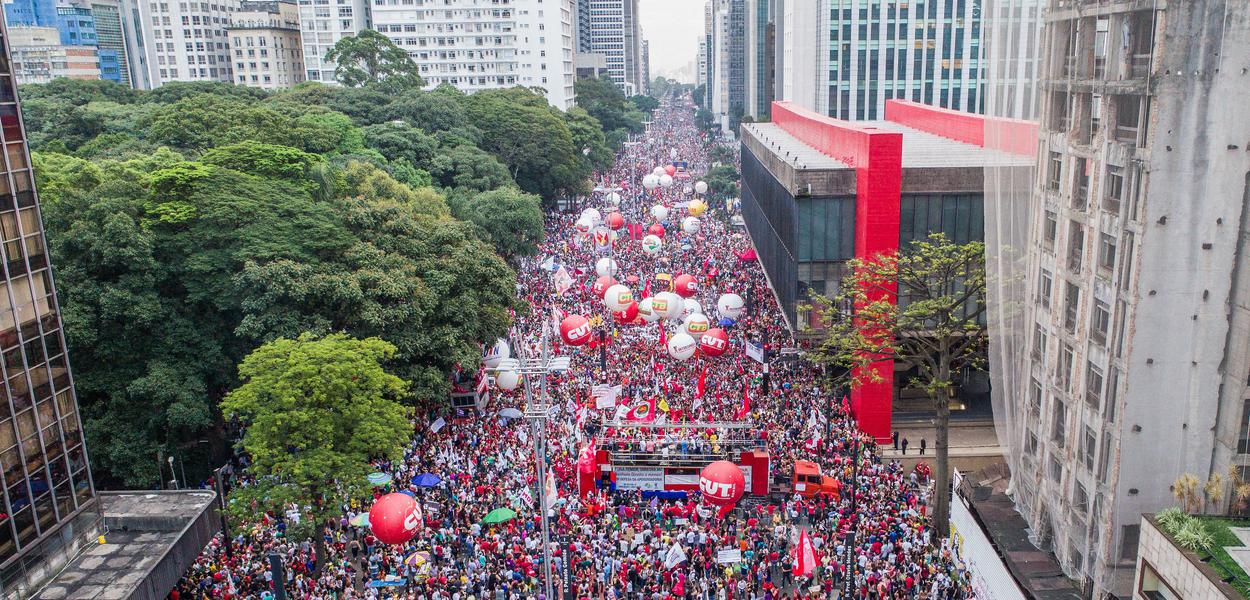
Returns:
<point x="701" y="62"/>
<point x="583" y="27"/>
<point x="1135" y="317"/>
<point x="1168" y="571"/>
<point x="187" y="41"/>
<point x="78" y="28"/>
<point x="39" y="56"/>
<point x="590" y="65"/>
<point x="111" y="41"/>
<point x="817" y="192"/>
<point x="760" y="62"/>
<point x="728" y="62"/>
<point x="32" y="13"/>
<point x="1012" y="34"/>
<point x="858" y="57"/>
<point x="265" y="43"/>
<point x="615" y="33"/>
<point x="136" y="44"/>
<point x="474" y="46"/>
<point x="51" y="510"/>
<point x="646" y="68"/>
<point x="322" y="25"/>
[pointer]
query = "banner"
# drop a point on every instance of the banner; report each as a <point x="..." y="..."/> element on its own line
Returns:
<point x="989" y="575"/>
<point x="675" y="556"/>
<point x="639" y="478"/>
<point x="756" y="352"/>
<point x="728" y="556"/>
<point x="438" y="424"/>
<point x="605" y="395"/>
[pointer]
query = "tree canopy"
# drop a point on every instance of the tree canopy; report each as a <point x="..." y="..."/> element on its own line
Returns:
<point x="370" y="58"/>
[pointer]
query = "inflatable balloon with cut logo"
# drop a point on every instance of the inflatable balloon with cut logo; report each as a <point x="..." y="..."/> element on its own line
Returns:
<point x="668" y="305"/>
<point x="395" y="518"/>
<point x="686" y="286"/>
<point x="601" y="285"/>
<point x="714" y="342"/>
<point x="722" y="484"/>
<point x="731" y="306"/>
<point x="690" y="225"/>
<point x="575" y="330"/>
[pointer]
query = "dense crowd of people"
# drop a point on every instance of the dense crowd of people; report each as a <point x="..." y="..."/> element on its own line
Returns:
<point x="613" y="543"/>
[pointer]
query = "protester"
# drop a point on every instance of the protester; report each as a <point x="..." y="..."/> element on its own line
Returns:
<point x="615" y="544"/>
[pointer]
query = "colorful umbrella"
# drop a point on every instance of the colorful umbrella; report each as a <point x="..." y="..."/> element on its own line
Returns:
<point x="360" y="520"/>
<point x="379" y="478"/>
<point x="426" y="480"/>
<point x="500" y="515"/>
<point x="417" y="559"/>
<point x="511" y="413"/>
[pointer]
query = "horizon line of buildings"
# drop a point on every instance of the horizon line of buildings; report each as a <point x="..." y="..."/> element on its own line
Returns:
<point x="273" y="44"/>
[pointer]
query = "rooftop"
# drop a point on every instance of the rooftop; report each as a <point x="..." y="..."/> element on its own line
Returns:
<point x="793" y="150"/>
<point x="923" y="150"/>
<point x="153" y="537"/>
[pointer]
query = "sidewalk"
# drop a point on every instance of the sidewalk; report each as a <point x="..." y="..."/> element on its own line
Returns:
<point x="967" y="441"/>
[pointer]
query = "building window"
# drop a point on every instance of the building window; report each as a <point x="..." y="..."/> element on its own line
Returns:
<point x="1243" y="440"/>
<point x="1035" y="398"/>
<point x="1093" y="386"/>
<point x="1071" y="306"/>
<point x="1154" y="587"/>
<point x="1059" y="422"/>
<point x="1106" y="252"/>
<point x="1080" y="498"/>
<point x="1050" y="230"/>
<point x="1066" y="361"/>
<point x="1101" y="321"/>
<point x="1080" y="184"/>
<point x="1039" y="342"/>
<point x="1104" y="457"/>
<point x="1044" y="288"/>
<point x="1115" y="188"/>
<point x="1089" y="443"/>
<point x="1056" y="469"/>
<point x="1076" y="246"/>
<point x="1054" y="171"/>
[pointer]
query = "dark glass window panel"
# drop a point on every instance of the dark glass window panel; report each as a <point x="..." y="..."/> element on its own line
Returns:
<point x="76" y="460"/>
<point x="45" y="510"/>
<point x="46" y="412"/>
<point x="24" y="522"/>
<point x="8" y="541"/>
<point x="19" y="496"/>
<point x="64" y="495"/>
<point x="82" y="487"/>
<point x="11" y="464"/>
<point x="33" y="453"/>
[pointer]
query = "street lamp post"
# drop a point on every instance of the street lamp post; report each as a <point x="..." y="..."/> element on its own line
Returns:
<point x="536" y="412"/>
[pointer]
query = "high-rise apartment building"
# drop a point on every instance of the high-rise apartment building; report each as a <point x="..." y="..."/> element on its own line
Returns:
<point x="646" y="67"/>
<point x="1012" y="36"/>
<point x="475" y="46"/>
<point x="701" y="62"/>
<point x="265" y="43"/>
<point x="111" y="41"/>
<point x="136" y="45"/>
<point x="583" y="27"/>
<point x="187" y="41"/>
<point x="615" y="33"/>
<point x="323" y="24"/>
<point x="860" y="54"/>
<point x="760" y="62"/>
<point x="34" y="13"/>
<point x="39" y="56"/>
<point x="78" y="28"/>
<point x="50" y="508"/>
<point x="1135" y="312"/>
<point x="728" y="62"/>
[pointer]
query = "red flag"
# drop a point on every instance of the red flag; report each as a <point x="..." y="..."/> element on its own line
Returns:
<point x="663" y="335"/>
<point x="805" y="557"/>
<point x="646" y="290"/>
<point x="746" y="401"/>
<point x="702" y="387"/>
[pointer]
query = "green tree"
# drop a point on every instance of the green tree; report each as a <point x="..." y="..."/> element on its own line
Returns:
<point x="315" y="412"/>
<point x="511" y="218"/>
<point x="398" y="140"/>
<point x="371" y="58"/>
<point x="935" y="326"/>
<point x="469" y="167"/>
<point x="588" y="135"/>
<point x="722" y="182"/>
<point x="646" y="104"/>
<point x="265" y="160"/>
<point x="437" y="110"/>
<point x="605" y="102"/>
<point x="531" y="138"/>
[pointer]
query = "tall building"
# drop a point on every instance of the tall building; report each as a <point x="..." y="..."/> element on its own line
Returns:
<point x="760" y="62"/>
<point x="136" y="44"/>
<point x="34" y="13"/>
<point x="187" y="41"/>
<point x="615" y="33"/>
<point x="1136" y="326"/>
<point x="265" y="41"/>
<point x="728" y="62"/>
<point x="50" y="508"/>
<point x="858" y="55"/>
<point x="323" y="25"/>
<point x="111" y="40"/>
<point x="478" y="47"/>
<point x="583" y="27"/>
<point x="1012" y="34"/>
<point x="39" y="56"/>
<point x="646" y="67"/>
<point x="78" y="28"/>
<point x="701" y="62"/>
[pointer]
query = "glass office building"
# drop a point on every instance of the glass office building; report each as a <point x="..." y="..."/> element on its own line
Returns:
<point x="49" y="505"/>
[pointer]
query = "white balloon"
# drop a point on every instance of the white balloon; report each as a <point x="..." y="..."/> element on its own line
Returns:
<point x="660" y="212"/>
<point x="645" y="311"/>
<point x="508" y="380"/>
<point x="667" y="305"/>
<point x="497" y="353"/>
<point x="690" y="225"/>
<point x="700" y="187"/>
<point x="696" y="324"/>
<point x="657" y="171"/>
<point x="606" y="267"/>
<point x="651" y="182"/>
<point x="731" y="306"/>
<point x="690" y="306"/>
<point x="614" y="199"/>
<point x="584" y="225"/>
<point x="592" y="215"/>
<point x="681" y="346"/>
<point x="652" y="244"/>
<point x="666" y="180"/>
<point x="618" y="297"/>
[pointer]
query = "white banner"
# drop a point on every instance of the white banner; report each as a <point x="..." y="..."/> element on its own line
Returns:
<point x="726" y="556"/>
<point x="746" y="472"/>
<point x="756" y="352"/>
<point x="639" y="478"/>
<point x="686" y="479"/>
<point x="438" y="424"/>
<point x="990" y="578"/>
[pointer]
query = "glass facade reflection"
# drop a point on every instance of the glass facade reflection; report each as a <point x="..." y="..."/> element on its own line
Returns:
<point x="48" y="500"/>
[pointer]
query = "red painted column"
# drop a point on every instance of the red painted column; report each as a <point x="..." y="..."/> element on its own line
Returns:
<point x="879" y="184"/>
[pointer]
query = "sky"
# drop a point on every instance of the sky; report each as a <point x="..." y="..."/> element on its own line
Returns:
<point x="673" y="27"/>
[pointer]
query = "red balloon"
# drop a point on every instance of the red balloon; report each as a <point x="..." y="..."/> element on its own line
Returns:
<point x="615" y="220"/>
<point x="600" y="288"/>
<point x="657" y="230"/>
<point x="670" y="170"/>
<point x="714" y="342"/>
<point x="394" y="518"/>
<point x="628" y="315"/>
<point x="686" y="286"/>
<point x="575" y="330"/>
<point x="722" y="483"/>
